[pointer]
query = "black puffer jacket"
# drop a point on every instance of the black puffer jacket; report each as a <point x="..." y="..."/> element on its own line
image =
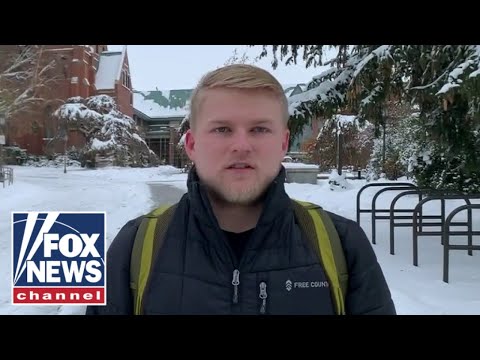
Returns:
<point x="194" y="270"/>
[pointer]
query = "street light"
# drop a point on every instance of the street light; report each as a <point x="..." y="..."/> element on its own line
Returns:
<point x="65" y="138"/>
<point x="2" y="136"/>
<point x="64" y="135"/>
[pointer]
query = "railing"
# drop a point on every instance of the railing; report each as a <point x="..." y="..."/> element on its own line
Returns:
<point x="6" y="175"/>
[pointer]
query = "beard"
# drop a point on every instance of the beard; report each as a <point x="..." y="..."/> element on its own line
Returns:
<point x="246" y="196"/>
<point x="237" y="194"/>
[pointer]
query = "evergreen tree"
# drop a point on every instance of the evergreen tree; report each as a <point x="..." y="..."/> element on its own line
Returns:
<point x="442" y="80"/>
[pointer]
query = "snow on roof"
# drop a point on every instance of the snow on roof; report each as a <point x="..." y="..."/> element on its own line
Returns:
<point x="160" y="104"/>
<point x="289" y="91"/>
<point x="288" y="86"/>
<point x="109" y="69"/>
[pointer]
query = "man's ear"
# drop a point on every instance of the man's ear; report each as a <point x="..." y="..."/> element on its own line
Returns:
<point x="286" y="141"/>
<point x="189" y="144"/>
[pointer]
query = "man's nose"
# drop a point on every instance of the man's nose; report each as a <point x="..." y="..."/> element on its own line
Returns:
<point x="241" y="141"/>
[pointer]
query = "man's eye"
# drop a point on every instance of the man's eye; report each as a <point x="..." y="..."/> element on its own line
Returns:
<point x="222" y="129"/>
<point x="260" y="129"/>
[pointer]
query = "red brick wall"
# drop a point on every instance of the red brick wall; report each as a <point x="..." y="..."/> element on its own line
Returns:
<point x="75" y="138"/>
<point x="92" y="72"/>
<point x="124" y="94"/>
<point x="124" y="99"/>
<point x="83" y="68"/>
<point x="35" y="131"/>
<point x="31" y="142"/>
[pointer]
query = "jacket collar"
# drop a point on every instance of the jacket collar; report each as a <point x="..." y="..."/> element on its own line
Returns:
<point x="276" y="199"/>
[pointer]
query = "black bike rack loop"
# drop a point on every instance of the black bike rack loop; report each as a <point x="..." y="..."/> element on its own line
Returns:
<point x="447" y="233"/>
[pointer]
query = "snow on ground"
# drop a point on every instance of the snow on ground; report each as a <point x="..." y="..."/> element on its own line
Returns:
<point x="125" y="194"/>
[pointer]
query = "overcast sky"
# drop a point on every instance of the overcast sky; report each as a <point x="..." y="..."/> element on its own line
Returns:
<point x="181" y="66"/>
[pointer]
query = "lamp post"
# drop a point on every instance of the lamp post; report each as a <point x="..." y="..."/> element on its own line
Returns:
<point x="2" y="136"/>
<point x="65" y="140"/>
<point x="339" y="146"/>
<point x="65" y="155"/>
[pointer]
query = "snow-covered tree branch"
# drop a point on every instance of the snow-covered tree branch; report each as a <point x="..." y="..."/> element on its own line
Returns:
<point x="442" y="80"/>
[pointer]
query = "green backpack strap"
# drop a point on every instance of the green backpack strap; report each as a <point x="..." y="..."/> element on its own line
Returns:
<point x="320" y="230"/>
<point x="148" y="240"/>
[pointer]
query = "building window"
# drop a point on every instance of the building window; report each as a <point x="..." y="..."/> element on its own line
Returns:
<point x="35" y="127"/>
<point x="126" y="79"/>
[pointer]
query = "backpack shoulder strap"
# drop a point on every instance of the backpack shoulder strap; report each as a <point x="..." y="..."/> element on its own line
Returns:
<point x="148" y="241"/>
<point x="321" y="232"/>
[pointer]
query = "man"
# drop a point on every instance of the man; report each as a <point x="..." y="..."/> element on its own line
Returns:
<point x="234" y="241"/>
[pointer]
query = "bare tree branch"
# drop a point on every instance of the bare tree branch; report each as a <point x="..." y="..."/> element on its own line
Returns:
<point x="25" y="75"/>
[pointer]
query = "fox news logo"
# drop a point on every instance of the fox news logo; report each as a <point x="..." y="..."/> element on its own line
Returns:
<point x="58" y="258"/>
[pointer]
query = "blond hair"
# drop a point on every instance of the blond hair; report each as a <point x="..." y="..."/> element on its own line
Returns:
<point x="238" y="76"/>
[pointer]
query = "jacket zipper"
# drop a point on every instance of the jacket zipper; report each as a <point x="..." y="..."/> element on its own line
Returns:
<point x="235" y="283"/>
<point x="263" y="296"/>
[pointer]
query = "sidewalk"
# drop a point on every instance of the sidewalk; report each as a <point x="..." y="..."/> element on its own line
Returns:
<point x="164" y="194"/>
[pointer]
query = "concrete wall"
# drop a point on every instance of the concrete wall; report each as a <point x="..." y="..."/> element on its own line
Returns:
<point x="302" y="175"/>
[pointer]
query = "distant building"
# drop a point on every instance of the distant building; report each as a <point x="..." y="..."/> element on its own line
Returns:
<point x="159" y="114"/>
<point x="309" y="132"/>
<point x="82" y="70"/>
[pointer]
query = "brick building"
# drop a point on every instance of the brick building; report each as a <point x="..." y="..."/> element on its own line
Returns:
<point x="80" y="70"/>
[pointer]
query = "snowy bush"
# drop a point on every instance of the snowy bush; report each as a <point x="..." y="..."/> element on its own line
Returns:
<point x="403" y="147"/>
<point x="337" y="182"/>
<point x="109" y="134"/>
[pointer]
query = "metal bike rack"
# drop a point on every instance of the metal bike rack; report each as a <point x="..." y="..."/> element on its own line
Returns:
<point x="447" y="233"/>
